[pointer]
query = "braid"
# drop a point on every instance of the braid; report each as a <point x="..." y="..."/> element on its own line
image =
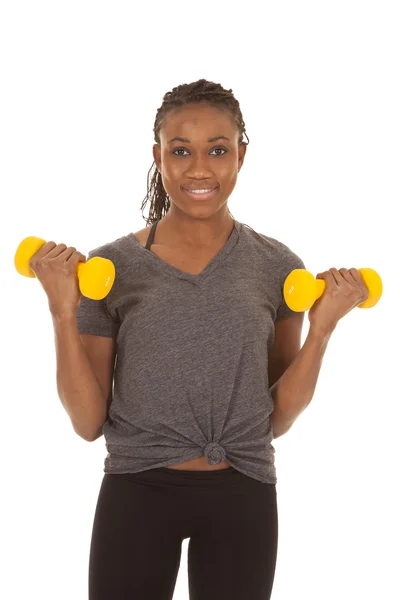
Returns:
<point x="187" y="93"/>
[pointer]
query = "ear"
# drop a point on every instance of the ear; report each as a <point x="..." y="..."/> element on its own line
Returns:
<point x="157" y="156"/>
<point x="242" y="152"/>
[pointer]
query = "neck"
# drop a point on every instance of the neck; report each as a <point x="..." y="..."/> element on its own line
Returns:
<point x="191" y="232"/>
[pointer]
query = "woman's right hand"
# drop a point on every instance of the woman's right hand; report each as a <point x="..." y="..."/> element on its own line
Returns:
<point x="55" y="266"/>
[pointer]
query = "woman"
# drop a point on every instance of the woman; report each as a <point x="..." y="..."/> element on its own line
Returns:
<point x="208" y="368"/>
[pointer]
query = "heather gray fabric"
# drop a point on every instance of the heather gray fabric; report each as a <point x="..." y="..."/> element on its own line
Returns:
<point x="191" y="374"/>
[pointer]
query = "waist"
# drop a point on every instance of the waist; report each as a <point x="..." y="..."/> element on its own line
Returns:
<point x="200" y="464"/>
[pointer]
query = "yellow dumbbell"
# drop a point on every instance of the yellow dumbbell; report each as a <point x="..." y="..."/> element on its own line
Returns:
<point x="301" y="289"/>
<point x="96" y="276"/>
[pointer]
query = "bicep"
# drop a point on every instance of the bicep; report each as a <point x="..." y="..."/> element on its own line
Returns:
<point x="285" y="347"/>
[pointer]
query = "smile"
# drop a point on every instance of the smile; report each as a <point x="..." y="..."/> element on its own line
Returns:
<point x="201" y="194"/>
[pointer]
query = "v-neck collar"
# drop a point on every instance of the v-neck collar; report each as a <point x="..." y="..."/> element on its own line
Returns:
<point x="208" y="269"/>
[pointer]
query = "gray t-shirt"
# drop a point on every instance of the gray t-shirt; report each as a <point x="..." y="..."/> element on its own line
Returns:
<point x="191" y="372"/>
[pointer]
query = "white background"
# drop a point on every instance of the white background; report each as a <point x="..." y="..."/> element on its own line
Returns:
<point x="318" y="86"/>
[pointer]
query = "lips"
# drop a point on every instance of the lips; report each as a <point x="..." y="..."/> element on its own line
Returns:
<point x="200" y="197"/>
<point x="190" y="189"/>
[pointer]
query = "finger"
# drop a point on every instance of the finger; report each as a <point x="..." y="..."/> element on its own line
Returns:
<point x="56" y="251"/>
<point x="336" y="275"/>
<point x="347" y="276"/>
<point x="355" y="273"/>
<point x="67" y="254"/>
<point x="354" y="279"/>
<point x="43" y="251"/>
<point x="76" y="256"/>
<point x="329" y="279"/>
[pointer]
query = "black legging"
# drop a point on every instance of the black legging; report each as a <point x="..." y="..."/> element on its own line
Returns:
<point x="231" y="521"/>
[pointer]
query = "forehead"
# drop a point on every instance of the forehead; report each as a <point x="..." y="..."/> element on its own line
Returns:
<point x="197" y="121"/>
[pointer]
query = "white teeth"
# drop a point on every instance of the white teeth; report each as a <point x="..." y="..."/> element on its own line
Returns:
<point x="200" y="191"/>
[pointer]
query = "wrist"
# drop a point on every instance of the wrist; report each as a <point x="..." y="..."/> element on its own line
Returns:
<point x="62" y="314"/>
<point x="322" y="335"/>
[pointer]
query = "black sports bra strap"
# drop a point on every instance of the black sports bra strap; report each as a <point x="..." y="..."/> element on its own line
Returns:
<point x="151" y="235"/>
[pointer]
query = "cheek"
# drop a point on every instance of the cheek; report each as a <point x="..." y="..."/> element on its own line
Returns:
<point x="231" y="178"/>
<point x="229" y="170"/>
<point x="172" y="172"/>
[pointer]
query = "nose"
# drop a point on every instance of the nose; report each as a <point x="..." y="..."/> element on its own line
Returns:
<point x="199" y="168"/>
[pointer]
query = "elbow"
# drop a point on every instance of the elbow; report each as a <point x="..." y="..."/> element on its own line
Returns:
<point x="279" y="424"/>
<point x="96" y="436"/>
<point x="88" y="436"/>
<point x="85" y="436"/>
<point x="276" y="433"/>
<point x="92" y="437"/>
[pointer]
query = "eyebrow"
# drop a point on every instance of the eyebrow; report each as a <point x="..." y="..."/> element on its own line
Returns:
<point x="214" y="139"/>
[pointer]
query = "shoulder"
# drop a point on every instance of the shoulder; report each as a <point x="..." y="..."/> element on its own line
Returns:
<point x="288" y="258"/>
<point x="142" y="235"/>
<point x="281" y="253"/>
<point x="277" y="245"/>
<point x="112" y="249"/>
<point x="276" y="248"/>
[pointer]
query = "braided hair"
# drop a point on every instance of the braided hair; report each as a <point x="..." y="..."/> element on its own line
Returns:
<point x="187" y="93"/>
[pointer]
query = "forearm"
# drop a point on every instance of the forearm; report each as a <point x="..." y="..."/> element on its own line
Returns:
<point x="78" y="388"/>
<point x="293" y="392"/>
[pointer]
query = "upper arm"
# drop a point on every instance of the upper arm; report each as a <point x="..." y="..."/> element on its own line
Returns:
<point x="101" y="352"/>
<point x="286" y="345"/>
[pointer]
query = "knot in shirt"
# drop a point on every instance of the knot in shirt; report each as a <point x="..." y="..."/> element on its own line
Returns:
<point x="214" y="453"/>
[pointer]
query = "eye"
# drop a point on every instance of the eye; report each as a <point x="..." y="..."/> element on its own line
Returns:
<point x="178" y="149"/>
<point x="219" y="149"/>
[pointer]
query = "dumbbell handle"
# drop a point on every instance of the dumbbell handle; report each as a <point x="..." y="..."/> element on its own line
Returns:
<point x="301" y="289"/>
<point x="96" y="276"/>
<point x="320" y="288"/>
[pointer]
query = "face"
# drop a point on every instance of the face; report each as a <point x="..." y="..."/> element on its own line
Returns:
<point x="199" y="161"/>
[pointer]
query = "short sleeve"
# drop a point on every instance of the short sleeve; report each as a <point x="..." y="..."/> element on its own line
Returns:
<point x="290" y="262"/>
<point x="93" y="316"/>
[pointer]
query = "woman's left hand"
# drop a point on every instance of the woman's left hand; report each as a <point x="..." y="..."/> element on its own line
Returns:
<point x="345" y="289"/>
